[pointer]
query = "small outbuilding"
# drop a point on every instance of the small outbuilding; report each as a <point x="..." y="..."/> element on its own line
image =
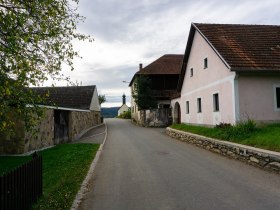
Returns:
<point x="68" y="113"/>
<point x="124" y="108"/>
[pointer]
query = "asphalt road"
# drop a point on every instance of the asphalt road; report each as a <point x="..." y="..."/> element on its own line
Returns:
<point x="142" y="168"/>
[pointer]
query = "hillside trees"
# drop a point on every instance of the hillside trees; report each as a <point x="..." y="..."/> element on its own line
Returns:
<point x="35" y="40"/>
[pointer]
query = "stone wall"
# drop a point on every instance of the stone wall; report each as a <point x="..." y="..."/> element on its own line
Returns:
<point x="23" y="142"/>
<point x="79" y="121"/>
<point x="265" y="159"/>
<point x="155" y="117"/>
<point x="44" y="136"/>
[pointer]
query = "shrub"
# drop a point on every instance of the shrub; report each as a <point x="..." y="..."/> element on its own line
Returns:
<point x="125" y="115"/>
<point x="223" y="125"/>
<point x="239" y="131"/>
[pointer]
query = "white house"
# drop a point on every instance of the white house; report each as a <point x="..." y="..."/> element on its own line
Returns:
<point x="124" y="108"/>
<point x="229" y="73"/>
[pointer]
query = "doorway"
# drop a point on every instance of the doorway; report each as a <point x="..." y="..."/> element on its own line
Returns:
<point x="177" y="113"/>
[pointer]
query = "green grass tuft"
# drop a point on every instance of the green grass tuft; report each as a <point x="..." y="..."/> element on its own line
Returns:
<point x="64" y="168"/>
<point x="266" y="136"/>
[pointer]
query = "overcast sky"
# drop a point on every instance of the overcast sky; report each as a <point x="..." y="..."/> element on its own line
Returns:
<point x="129" y="32"/>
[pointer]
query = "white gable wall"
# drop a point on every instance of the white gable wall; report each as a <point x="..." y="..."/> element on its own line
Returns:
<point x="217" y="78"/>
<point x="122" y="109"/>
<point x="94" y="105"/>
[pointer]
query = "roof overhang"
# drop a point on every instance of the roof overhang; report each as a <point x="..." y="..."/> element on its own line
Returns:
<point x="61" y="108"/>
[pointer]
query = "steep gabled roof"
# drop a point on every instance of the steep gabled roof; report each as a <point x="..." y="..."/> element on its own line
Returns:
<point x="165" y="65"/>
<point x="75" y="97"/>
<point x="240" y="47"/>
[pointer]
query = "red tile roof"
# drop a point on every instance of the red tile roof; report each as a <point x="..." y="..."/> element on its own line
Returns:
<point x="245" y="47"/>
<point x="167" y="64"/>
<point x="240" y="47"/>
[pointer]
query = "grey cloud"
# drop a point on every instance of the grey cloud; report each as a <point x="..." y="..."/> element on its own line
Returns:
<point x="151" y="28"/>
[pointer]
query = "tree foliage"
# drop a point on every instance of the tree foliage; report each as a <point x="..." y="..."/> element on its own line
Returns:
<point x="101" y="99"/>
<point x="35" y="40"/>
<point x="142" y="93"/>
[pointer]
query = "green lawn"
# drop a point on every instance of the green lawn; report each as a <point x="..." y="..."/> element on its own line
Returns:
<point x="266" y="136"/>
<point x="9" y="163"/>
<point x="64" y="168"/>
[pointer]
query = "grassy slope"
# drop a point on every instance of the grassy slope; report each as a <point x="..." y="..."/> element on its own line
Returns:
<point x="64" y="168"/>
<point x="265" y="136"/>
<point x="9" y="163"/>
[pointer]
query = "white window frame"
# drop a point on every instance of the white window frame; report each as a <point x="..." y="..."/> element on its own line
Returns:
<point x="197" y="106"/>
<point x="214" y="102"/>
<point x="187" y="107"/>
<point x="276" y="109"/>
<point x="205" y="66"/>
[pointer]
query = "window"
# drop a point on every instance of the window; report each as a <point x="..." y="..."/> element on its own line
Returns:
<point x="216" y="107"/>
<point x="191" y="72"/>
<point x="205" y="63"/>
<point x="187" y="107"/>
<point x="199" y="109"/>
<point x="277" y="94"/>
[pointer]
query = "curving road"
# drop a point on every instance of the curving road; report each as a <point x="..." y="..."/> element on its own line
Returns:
<point x="142" y="168"/>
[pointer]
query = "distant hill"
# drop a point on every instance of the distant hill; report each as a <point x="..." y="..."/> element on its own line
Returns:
<point x="109" y="112"/>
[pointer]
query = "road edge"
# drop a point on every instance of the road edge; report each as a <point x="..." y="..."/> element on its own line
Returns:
<point x="85" y="185"/>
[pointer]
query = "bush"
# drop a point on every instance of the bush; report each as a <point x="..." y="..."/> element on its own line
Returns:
<point x="125" y="115"/>
<point x="239" y="131"/>
<point x="223" y="125"/>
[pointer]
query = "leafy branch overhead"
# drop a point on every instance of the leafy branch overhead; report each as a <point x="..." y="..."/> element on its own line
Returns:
<point x="35" y="40"/>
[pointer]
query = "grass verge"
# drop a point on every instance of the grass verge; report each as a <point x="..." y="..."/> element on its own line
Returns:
<point x="64" y="168"/>
<point x="266" y="136"/>
<point x="8" y="163"/>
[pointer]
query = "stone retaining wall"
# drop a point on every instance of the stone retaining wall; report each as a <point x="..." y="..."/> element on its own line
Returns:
<point x="265" y="159"/>
<point x="79" y="121"/>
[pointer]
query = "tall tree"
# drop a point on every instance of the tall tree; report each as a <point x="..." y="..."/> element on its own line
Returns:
<point x="142" y="93"/>
<point x="35" y="40"/>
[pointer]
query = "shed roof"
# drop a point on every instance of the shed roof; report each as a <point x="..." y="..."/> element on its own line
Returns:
<point x="76" y="97"/>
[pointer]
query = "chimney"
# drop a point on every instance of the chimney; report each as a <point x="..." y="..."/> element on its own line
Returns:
<point x="140" y="66"/>
<point x="123" y="99"/>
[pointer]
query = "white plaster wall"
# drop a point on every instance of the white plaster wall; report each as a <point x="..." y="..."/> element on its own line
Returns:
<point x="94" y="105"/>
<point x="256" y="98"/>
<point x="217" y="78"/>
<point x="208" y="116"/>
<point x="122" y="109"/>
